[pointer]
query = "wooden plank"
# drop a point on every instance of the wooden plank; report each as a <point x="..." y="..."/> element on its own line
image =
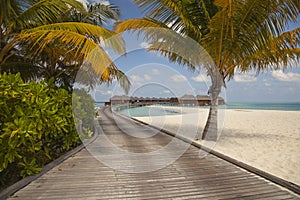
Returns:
<point x="266" y="195"/>
<point x="83" y="177"/>
<point x="25" y="181"/>
<point x="289" y="185"/>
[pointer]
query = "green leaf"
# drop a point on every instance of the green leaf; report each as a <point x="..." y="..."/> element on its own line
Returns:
<point x="14" y="133"/>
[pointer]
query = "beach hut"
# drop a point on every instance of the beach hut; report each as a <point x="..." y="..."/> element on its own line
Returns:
<point x="203" y="100"/>
<point x="188" y="99"/>
<point x="221" y="101"/>
<point x="174" y="100"/>
<point x="134" y="100"/>
<point x="117" y="100"/>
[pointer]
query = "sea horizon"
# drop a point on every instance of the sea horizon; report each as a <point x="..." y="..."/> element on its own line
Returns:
<point x="284" y="106"/>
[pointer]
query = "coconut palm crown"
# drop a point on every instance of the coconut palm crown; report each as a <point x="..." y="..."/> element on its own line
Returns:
<point x="54" y="38"/>
<point x="239" y="36"/>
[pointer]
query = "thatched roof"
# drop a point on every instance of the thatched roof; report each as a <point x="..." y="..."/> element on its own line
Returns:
<point x="188" y="97"/>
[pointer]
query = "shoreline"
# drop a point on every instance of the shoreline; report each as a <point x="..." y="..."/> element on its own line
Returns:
<point x="266" y="139"/>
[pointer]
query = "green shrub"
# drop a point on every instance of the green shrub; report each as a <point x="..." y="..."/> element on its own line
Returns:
<point x="36" y="125"/>
<point x="84" y="112"/>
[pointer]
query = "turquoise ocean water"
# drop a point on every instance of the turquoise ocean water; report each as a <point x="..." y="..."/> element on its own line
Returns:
<point x="291" y="106"/>
<point x="146" y="111"/>
<point x="157" y="111"/>
<point x="98" y="105"/>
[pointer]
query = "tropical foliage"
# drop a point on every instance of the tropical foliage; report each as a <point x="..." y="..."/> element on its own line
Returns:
<point x="36" y="125"/>
<point x="50" y="41"/>
<point x="84" y="112"/>
<point x="239" y="35"/>
<point x="54" y="38"/>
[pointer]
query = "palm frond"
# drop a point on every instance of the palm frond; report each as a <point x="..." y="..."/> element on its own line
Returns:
<point x="96" y="33"/>
<point x="184" y="51"/>
<point x="83" y="48"/>
<point x="97" y="14"/>
<point x="34" y="32"/>
<point x="100" y="13"/>
<point x="187" y="17"/>
<point x="280" y="51"/>
<point x="15" y="64"/>
<point x="149" y="29"/>
<point x="136" y="25"/>
<point x="252" y="32"/>
<point x="289" y="39"/>
<point x="123" y="81"/>
<point x="169" y="43"/>
<point x="8" y="11"/>
<point x="222" y="3"/>
<point x="86" y="75"/>
<point x="45" y="12"/>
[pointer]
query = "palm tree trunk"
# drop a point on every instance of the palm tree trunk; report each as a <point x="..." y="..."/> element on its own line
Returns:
<point x="210" y="132"/>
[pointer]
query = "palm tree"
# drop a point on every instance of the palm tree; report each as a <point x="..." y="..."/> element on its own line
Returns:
<point x="239" y="35"/>
<point x="54" y="38"/>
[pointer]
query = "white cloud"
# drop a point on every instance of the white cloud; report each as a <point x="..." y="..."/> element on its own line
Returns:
<point x="105" y="92"/>
<point x="178" y="78"/>
<point x="136" y="78"/>
<point x="155" y="71"/>
<point x="105" y="2"/>
<point x="140" y="79"/>
<point x="266" y="83"/>
<point x="84" y="3"/>
<point x="244" y="78"/>
<point x="147" y="77"/>
<point x="144" y="45"/>
<point x="201" y="78"/>
<point x="291" y="64"/>
<point x="287" y="77"/>
<point x="251" y="72"/>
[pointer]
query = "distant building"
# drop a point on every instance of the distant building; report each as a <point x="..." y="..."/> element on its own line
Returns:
<point x="174" y="100"/>
<point x="199" y="100"/>
<point x="188" y="99"/>
<point x="134" y="100"/>
<point x="116" y="100"/>
<point x="203" y="100"/>
<point x="221" y="101"/>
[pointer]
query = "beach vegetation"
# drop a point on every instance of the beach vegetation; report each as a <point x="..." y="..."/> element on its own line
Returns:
<point x="84" y="112"/>
<point x="43" y="46"/>
<point x="37" y="124"/>
<point x="238" y="35"/>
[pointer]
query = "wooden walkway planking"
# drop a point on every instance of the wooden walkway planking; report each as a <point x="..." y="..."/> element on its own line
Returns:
<point x="84" y="177"/>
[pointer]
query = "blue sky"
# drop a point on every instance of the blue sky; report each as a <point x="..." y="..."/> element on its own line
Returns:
<point x="152" y="75"/>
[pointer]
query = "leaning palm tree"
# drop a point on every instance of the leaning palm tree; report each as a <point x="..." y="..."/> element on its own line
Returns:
<point x="239" y="35"/>
<point x="54" y="38"/>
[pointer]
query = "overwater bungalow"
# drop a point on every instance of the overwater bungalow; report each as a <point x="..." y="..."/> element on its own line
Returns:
<point x="115" y="100"/>
<point x="199" y="100"/>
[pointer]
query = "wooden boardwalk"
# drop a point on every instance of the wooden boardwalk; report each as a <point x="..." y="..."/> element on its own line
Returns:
<point x="84" y="177"/>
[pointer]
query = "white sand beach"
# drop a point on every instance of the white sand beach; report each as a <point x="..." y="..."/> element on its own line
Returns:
<point x="266" y="139"/>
